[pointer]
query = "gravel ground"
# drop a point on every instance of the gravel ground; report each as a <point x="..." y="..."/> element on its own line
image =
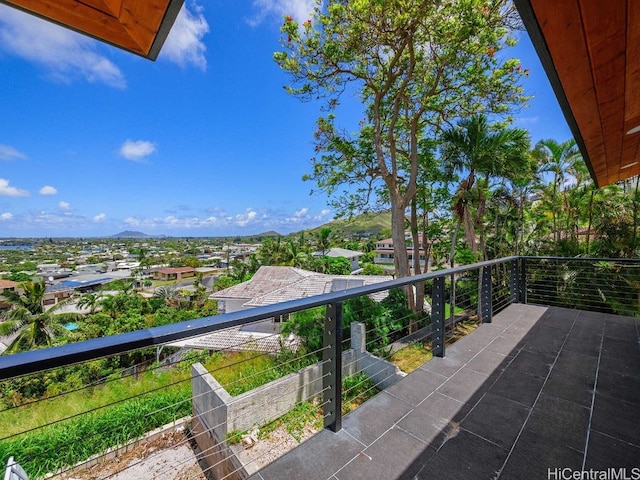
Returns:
<point x="279" y="442"/>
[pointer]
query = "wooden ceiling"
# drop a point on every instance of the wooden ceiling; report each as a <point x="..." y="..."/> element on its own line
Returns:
<point x="591" y="52"/>
<point x="138" y="26"/>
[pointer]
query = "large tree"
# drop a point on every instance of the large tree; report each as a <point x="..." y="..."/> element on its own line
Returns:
<point x="414" y="64"/>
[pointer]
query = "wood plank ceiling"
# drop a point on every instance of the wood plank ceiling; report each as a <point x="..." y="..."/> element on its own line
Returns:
<point x="138" y="26"/>
<point x="591" y="52"/>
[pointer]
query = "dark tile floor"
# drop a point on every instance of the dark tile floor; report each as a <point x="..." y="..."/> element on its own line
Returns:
<point x="538" y="389"/>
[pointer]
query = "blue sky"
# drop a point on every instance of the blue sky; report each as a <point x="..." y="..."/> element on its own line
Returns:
<point x="202" y="142"/>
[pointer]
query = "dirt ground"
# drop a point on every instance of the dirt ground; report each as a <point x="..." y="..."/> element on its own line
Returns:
<point x="172" y="457"/>
<point x="169" y="457"/>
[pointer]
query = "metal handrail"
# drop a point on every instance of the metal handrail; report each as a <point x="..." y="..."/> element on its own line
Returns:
<point x="46" y="359"/>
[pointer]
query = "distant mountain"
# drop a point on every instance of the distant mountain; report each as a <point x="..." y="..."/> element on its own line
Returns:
<point x="131" y="234"/>
<point x="270" y="233"/>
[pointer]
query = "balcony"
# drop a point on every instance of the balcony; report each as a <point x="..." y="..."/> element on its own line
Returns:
<point x="536" y="388"/>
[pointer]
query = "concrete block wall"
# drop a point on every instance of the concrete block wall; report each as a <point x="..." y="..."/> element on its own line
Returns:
<point x="218" y="413"/>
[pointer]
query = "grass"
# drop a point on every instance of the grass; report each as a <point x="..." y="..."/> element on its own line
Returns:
<point x="356" y="390"/>
<point x="411" y="357"/>
<point x="447" y="310"/>
<point x="56" y="432"/>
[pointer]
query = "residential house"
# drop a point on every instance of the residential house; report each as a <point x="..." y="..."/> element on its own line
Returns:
<point x="385" y="253"/>
<point x="56" y="293"/>
<point x="272" y="285"/>
<point x="6" y="285"/>
<point x="178" y="273"/>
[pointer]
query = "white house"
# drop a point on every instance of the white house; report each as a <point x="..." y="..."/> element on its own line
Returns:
<point x="351" y="255"/>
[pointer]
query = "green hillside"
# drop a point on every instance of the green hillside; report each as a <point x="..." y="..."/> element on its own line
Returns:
<point x="372" y="223"/>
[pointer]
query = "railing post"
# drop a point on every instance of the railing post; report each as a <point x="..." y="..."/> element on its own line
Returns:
<point x="514" y="281"/>
<point x="523" y="280"/>
<point x="486" y="308"/>
<point x="332" y="367"/>
<point x="437" y="317"/>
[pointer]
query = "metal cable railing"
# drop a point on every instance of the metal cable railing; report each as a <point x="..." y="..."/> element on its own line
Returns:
<point x="346" y="343"/>
<point x="600" y="285"/>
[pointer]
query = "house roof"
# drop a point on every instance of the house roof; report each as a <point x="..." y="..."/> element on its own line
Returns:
<point x="339" y="252"/>
<point x="317" y="284"/>
<point x="235" y="339"/>
<point x="591" y="53"/>
<point x="86" y="283"/>
<point x="140" y="27"/>
<point x="176" y="270"/>
<point x="265" y="280"/>
<point x="272" y="285"/>
<point x="8" y="284"/>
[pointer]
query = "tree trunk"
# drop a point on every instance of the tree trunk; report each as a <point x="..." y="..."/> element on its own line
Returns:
<point x="417" y="270"/>
<point x="555" y="215"/>
<point x="590" y="220"/>
<point x="635" y="218"/>
<point x="454" y="240"/>
<point x="400" y="257"/>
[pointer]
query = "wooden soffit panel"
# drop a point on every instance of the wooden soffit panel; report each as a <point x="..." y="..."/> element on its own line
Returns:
<point x="138" y="26"/>
<point x="590" y="50"/>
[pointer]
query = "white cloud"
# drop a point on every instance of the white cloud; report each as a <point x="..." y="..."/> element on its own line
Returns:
<point x="323" y="213"/>
<point x="6" y="216"/>
<point x="184" y="44"/>
<point x="99" y="218"/>
<point x="64" y="206"/>
<point x="300" y="10"/>
<point x="301" y="213"/>
<point x="243" y="219"/>
<point x="66" y="55"/>
<point x="48" y="190"/>
<point x="137" y="150"/>
<point x="9" y="191"/>
<point x="250" y="221"/>
<point x="526" y="121"/>
<point x="7" y="152"/>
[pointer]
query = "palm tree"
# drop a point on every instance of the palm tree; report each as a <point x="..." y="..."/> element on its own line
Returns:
<point x="125" y="285"/>
<point x="559" y="159"/>
<point x="27" y="316"/>
<point x="90" y="301"/>
<point x="169" y="294"/>
<point x="485" y="151"/>
<point x="323" y="240"/>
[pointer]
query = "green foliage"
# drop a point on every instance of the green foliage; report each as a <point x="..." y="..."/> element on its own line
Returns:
<point x="69" y="442"/>
<point x="36" y="326"/>
<point x="308" y="325"/>
<point x="185" y="262"/>
<point x="19" y="277"/>
<point x="26" y="266"/>
<point x="224" y="281"/>
<point x="331" y="265"/>
<point x="386" y="321"/>
<point x="356" y="390"/>
<point x="375" y="49"/>
<point x="372" y="269"/>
